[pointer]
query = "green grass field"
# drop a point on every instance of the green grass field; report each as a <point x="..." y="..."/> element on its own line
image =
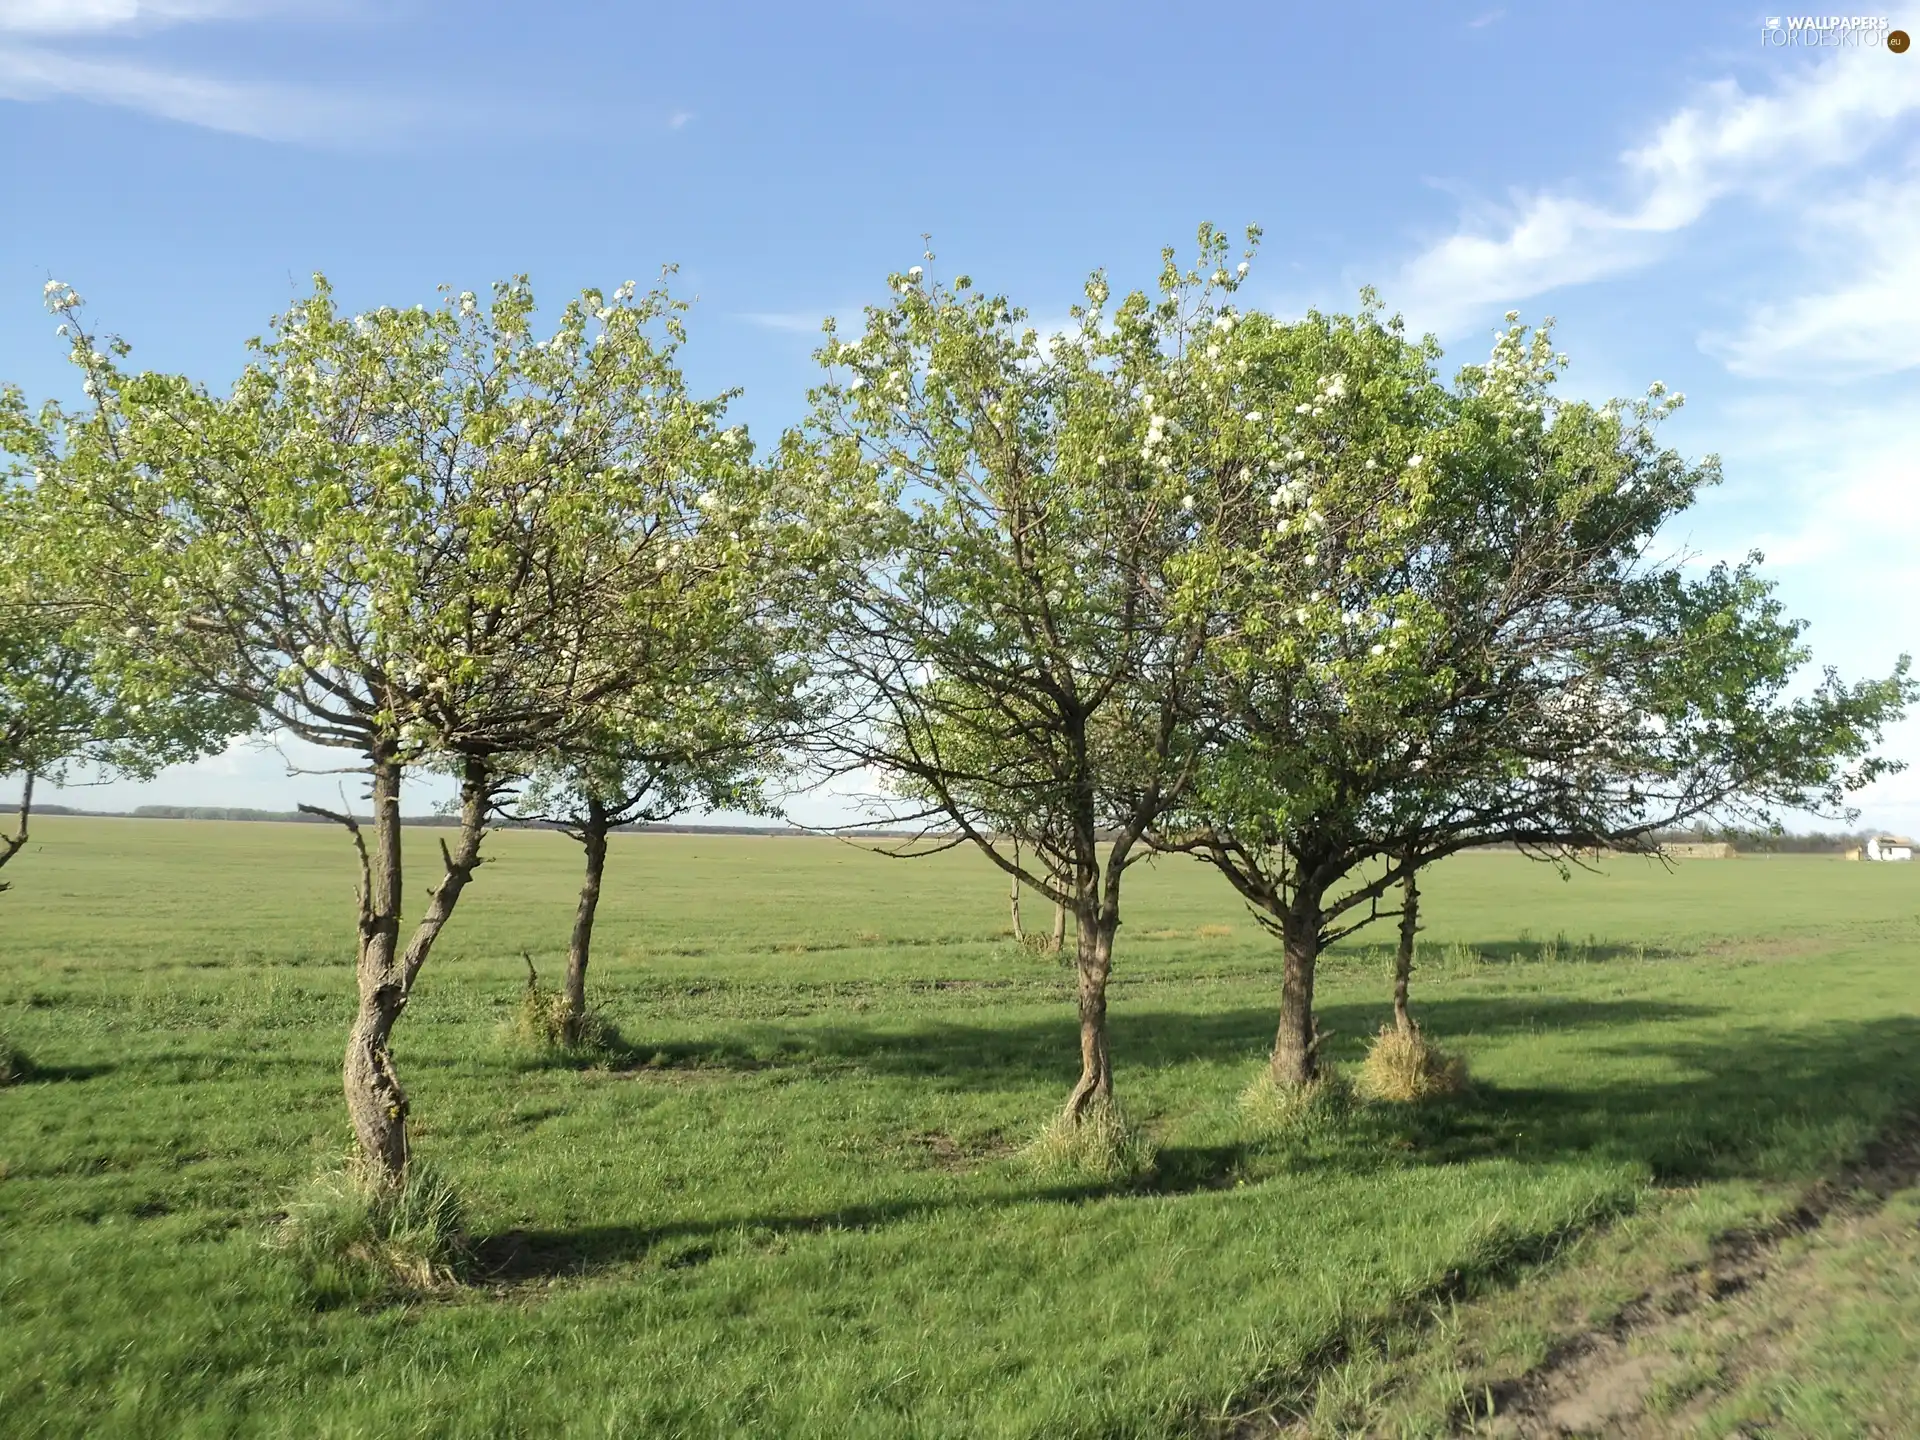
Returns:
<point x="800" y="1208"/>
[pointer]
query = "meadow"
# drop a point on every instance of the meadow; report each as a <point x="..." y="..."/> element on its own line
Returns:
<point x="795" y="1203"/>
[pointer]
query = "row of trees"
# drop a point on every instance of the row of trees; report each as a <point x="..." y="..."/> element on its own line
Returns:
<point x="1187" y="577"/>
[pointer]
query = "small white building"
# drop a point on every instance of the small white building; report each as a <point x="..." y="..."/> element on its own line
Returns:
<point x="1889" y="847"/>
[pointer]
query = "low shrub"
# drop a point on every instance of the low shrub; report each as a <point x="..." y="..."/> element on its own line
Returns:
<point x="1404" y="1066"/>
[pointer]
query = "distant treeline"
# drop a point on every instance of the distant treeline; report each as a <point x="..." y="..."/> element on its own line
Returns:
<point x="1761" y="842"/>
<point x="219" y="812"/>
<point x="1753" y="842"/>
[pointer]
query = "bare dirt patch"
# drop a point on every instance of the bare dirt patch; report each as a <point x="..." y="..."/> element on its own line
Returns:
<point x="1603" y="1381"/>
<point x="945" y="1152"/>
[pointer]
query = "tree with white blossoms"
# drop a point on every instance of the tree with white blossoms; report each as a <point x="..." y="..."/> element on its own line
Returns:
<point x="74" y="701"/>
<point x="428" y="537"/>
<point x="723" y="700"/>
<point x="1020" y="659"/>
<point x="1457" y="627"/>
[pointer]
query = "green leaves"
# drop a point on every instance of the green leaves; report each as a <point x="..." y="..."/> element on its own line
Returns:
<point x="1456" y="628"/>
<point x="424" y="527"/>
<point x="71" y="696"/>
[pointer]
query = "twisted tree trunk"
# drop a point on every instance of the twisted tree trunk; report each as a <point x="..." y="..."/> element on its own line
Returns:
<point x="376" y="1102"/>
<point x="1094" y="962"/>
<point x="593" y="838"/>
<point x="1403" y="959"/>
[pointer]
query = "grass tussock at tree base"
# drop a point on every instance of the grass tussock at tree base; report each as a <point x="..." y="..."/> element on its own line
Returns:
<point x="357" y="1239"/>
<point x="1102" y="1145"/>
<point x="544" y="1026"/>
<point x="1402" y="1067"/>
<point x="1271" y="1111"/>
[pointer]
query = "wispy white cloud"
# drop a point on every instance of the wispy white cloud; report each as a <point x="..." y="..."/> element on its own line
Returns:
<point x="87" y="50"/>
<point x="679" y="119"/>
<point x="1868" y="323"/>
<point x="1480" y="22"/>
<point x="1842" y="478"/>
<point x="267" y="111"/>
<point x="1729" y="142"/>
<point x="94" y="17"/>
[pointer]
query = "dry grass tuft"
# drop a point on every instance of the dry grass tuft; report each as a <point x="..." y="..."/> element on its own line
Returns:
<point x="1102" y="1145"/>
<point x="356" y="1238"/>
<point x="1270" y="1111"/>
<point x="1406" y="1067"/>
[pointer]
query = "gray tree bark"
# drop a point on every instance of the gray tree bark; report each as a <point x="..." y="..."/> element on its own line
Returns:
<point x="593" y="838"/>
<point x="12" y="845"/>
<point x="1094" y="963"/>
<point x="1403" y="959"/>
<point x="1296" y="1044"/>
<point x="376" y="1101"/>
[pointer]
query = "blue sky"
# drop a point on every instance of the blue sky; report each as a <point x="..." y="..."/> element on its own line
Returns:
<point x="1738" y="220"/>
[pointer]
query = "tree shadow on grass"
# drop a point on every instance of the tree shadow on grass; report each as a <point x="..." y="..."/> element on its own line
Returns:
<point x="37" y="1073"/>
<point x="517" y="1256"/>
<point x="1757" y="1104"/>
<point x="992" y="1056"/>
<point x="1783" y="1106"/>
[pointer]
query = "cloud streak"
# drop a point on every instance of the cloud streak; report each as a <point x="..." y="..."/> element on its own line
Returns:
<point x="95" y="17"/>
<point x="1730" y="142"/>
<point x="1866" y="325"/>
<point x="262" y="110"/>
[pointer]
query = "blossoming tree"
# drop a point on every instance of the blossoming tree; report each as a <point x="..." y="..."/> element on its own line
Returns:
<point x="1457" y="626"/>
<point x="428" y="537"/>
<point x="722" y="697"/>
<point x="73" y="701"/>
<point x="1020" y="659"/>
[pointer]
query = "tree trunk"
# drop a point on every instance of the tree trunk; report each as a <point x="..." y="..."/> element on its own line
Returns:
<point x="593" y="837"/>
<point x="1094" y="962"/>
<point x="1403" y="960"/>
<point x="375" y="1102"/>
<point x="12" y="845"/>
<point x="1013" y="900"/>
<point x="1059" y="927"/>
<point x="1296" y="1046"/>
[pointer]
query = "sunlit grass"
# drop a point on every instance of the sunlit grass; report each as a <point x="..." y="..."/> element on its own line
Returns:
<point x="798" y="1198"/>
